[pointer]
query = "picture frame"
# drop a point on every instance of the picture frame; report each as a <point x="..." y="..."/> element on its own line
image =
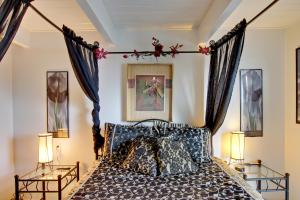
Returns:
<point x="58" y="104"/>
<point x="251" y="102"/>
<point x="149" y="92"/>
<point x="298" y="85"/>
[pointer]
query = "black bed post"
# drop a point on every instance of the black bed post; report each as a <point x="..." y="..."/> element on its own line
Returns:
<point x="97" y="145"/>
<point x="96" y="153"/>
<point x="98" y="139"/>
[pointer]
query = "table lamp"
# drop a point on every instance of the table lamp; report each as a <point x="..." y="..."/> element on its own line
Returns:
<point x="237" y="147"/>
<point x="45" y="149"/>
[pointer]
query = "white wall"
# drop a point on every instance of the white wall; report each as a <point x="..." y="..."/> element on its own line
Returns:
<point x="263" y="49"/>
<point x="48" y="52"/>
<point x="187" y="75"/>
<point x="292" y="135"/>
<point x="6" y="127"/>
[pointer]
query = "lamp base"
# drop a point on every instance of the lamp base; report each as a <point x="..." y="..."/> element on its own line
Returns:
<point x="44" y="165"/>
<point x="239" y="168"/>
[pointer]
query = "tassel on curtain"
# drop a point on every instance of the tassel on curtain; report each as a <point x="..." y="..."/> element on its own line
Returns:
<point x="11" y="15"/>
<point x="224" y="63"/>
<point x="85" y="66"/>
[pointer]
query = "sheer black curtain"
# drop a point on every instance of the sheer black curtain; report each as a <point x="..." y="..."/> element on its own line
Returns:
<point x="85" y="66"/>
<point x="11" y="15"/>
<point x="224" y="63"/>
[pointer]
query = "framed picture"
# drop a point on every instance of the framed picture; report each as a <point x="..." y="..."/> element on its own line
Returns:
<point x="149" y="92"/>
<point x="251" y="98"/>
<point x="58" y="104"/>
<point x="298" y="85"/>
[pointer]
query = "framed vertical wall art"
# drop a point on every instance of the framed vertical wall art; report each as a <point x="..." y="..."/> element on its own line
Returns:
<point x="149" y="92"/>
<point x="58" y="104"/>
<point x="251" y="99"/>
<point x="298" y="85"/>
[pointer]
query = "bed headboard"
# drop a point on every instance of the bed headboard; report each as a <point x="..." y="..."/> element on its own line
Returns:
<point x="154" y="122"/>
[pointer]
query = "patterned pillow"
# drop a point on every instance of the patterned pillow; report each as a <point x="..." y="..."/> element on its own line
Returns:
<point x="173" y="157"/>
<point x="165" y="130"/>
<point x="118" y="139"/>
<point x="141" y="157"/>
<point x="197" y="141"/>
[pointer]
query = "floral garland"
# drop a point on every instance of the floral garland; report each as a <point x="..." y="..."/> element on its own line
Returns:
<point x="100" y="53"/>
<point x="158" y="51"/>
<point x="204" y="49"/>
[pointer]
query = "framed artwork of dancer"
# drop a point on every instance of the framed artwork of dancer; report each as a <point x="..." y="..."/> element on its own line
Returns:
<point x="149" y="91"/>
<point x="58" y="104"/>
<point x="251" y="98"/>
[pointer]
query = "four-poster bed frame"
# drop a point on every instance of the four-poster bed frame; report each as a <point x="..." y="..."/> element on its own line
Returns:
<point x="82" y="56"/>
<point x="98" y="140"/>
<point x="195" y="144"/>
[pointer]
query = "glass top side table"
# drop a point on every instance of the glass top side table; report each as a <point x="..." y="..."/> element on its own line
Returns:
<point x="267" y="179"/>
<point x="49" y="179"/>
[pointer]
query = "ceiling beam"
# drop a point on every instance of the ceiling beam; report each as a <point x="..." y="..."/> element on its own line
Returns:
<point x="218" y="12"/>
<point x="96" y="12"/>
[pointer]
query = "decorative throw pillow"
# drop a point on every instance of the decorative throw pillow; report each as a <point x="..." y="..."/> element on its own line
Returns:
<point x="165" y="130"/>
<point x="109" y="127"/>
<point x="141" y="157"/>
<point x="197" y="141"/>
<point x="173" y="157"/>
<point x="118" y="139"/>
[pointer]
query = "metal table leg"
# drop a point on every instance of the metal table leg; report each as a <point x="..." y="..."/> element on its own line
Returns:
<point x="287" y="185"/>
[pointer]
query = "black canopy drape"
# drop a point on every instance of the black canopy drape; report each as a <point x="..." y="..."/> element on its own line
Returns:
<point x="11" y="15"/>
<point x="85" y="66"/>
<point x="224" y="63"/>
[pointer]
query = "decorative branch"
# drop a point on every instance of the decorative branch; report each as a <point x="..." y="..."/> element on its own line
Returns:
<point x="158" y="51"/>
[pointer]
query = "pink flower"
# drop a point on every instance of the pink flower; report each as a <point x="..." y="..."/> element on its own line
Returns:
<point x="204" y="50"/>
<point x="159" y="47"/>
<point x="174" y="49"/>
<point x="158" y="50"/>
<point x="100" y="53"/>
<point x="137" y="54"/>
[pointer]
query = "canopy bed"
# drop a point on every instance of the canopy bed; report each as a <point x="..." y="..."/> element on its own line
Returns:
<point x="192" y="172"/>
<point x="140" y="163"/>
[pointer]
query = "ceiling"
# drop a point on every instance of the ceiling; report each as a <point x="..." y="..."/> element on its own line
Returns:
<point x="153" y="14"/>
<point x="283" y="14"/>
<point x="107" y="17"/>
<point x="60" y="12"/>
<point x="127" y="14"/>
<point x="163" y="14"/>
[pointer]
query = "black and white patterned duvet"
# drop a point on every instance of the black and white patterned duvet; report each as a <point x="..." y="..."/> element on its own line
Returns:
<point x="209" y="182"/>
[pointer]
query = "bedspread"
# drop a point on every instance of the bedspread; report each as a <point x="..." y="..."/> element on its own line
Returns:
<point x="214" y="180"/>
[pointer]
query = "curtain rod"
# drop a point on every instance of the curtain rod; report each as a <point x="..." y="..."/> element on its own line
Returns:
<point x="131" y="52"/>
<point x="145" y="52"/>
<point x="261" y="12"/>
<point x="58" y="28"/>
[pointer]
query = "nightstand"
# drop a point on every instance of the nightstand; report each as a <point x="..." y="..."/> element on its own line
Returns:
<point x="51" y="179"/>
<point x="266" y="179"/>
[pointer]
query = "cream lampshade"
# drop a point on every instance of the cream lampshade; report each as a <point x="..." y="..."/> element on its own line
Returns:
<point x="45" y="148"/>
<point x="237" y="146"/>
